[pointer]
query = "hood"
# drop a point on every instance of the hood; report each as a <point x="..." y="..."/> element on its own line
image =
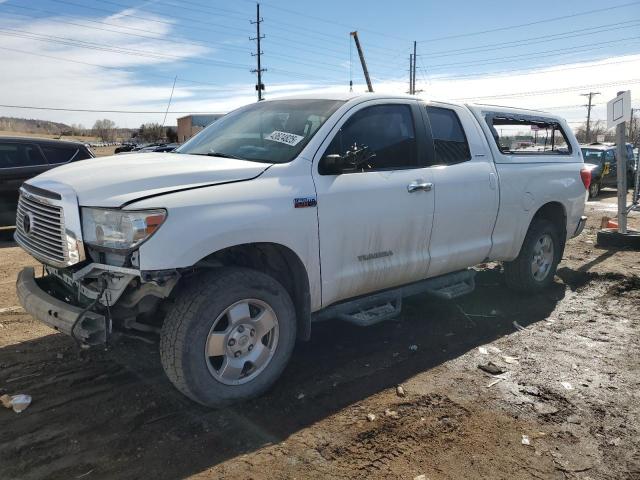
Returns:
<point x="591" y="166"/>
<point x="114" y="181"/>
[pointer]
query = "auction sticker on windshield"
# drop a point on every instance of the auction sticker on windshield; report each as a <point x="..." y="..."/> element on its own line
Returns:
<point x="283" y="137"/>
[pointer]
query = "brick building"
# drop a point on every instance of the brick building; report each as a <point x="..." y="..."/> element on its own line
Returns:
<point x="191" y="124"/>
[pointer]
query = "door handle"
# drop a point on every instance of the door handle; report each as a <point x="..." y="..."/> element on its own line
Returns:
<point x="419" y="186"/>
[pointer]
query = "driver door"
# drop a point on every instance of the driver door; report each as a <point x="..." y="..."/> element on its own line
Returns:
<point x="375" y="219"/>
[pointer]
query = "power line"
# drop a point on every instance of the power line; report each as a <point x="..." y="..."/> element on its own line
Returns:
<point x="128" y="33"/>
<point x="141" y="53"/>
<point x="111" y="48"/>
<point x="90" y="110"/>
<point x="331" y="21"/>
<point x="554" y="91"/>
<point x="518" y="72"/>
<point x="123" y="70"/>
<point x="533" y="40"/>
<point x="537" y="22"/>
<point x="202" y="44"/>
<point x="129" y="15"/>
<point x="542" y="54"/>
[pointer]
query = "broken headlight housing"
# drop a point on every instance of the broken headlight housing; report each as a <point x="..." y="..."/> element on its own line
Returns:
<point x="119" y="230"/>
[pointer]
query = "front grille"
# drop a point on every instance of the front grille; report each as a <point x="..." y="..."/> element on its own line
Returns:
<point x="40" y="229"/>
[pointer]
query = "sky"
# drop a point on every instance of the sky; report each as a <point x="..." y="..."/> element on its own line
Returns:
<point x="118" y="59"/>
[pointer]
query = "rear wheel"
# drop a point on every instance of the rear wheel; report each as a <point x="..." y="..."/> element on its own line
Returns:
<point x="594" y="189"/>
<point x="228" y="336"/>
<point x="535" y="266"/>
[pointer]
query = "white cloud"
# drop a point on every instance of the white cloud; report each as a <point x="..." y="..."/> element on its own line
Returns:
<point x="46" y="81"/>
<point x="35" y="75"/>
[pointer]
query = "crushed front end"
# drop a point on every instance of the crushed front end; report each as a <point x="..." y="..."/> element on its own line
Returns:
<point x="85" y="290"/>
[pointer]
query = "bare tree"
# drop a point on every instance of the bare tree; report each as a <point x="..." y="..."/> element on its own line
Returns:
<point x="634" y="131"/>
<point x="105" y="129"/>
<point x="597" y="128"/>
<point x="151" y="132"/>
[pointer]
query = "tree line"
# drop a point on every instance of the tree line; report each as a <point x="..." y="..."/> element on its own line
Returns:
<point x="106" y="130"/>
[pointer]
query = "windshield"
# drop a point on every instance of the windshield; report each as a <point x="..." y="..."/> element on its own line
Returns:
<point x="592" y="155"/>
<point x="270" y="132"/>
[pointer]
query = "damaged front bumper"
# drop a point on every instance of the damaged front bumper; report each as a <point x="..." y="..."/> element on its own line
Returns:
<point x="87" y="302"/>
<point x="92" y="329"/>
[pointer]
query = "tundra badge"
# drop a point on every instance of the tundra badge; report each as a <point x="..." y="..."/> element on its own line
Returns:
<point x="305" y="202"/>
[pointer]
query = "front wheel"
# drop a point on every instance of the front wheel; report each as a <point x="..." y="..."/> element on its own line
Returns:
<point x="228" y="336"/>
<point x="535" y="266"/>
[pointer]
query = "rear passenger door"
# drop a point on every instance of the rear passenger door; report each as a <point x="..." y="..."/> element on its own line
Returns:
<point x="18" y="162"/>
<point x="465" y="190"/>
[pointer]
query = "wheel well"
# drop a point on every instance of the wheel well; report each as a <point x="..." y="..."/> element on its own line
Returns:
<point x="280" y="263"/>
<point x="556" y="214"/>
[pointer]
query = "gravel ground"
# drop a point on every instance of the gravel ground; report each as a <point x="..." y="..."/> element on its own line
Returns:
<point x="570" y="387"/>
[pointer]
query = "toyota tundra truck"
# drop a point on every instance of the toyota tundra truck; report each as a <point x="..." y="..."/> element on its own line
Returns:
<point x="291" y="211"/>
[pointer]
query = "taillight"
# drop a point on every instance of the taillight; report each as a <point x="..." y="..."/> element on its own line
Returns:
<point x="585" y="175"/>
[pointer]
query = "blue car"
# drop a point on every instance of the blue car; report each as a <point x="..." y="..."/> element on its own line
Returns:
<point x="601" y="158"/>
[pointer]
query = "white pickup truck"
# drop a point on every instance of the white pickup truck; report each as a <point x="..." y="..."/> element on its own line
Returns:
<point x="291" y="211"/>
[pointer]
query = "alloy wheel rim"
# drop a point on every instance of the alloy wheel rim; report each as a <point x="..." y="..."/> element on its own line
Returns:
<point x="542" y="260"/>
<point x="241" y="342"/>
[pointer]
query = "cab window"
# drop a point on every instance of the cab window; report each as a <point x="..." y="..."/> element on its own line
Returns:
<point x="387" y="132"/>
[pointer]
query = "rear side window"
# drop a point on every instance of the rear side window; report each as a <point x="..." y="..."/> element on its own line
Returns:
<point x="56" y="155"/>
<point x="449" y="140"/>
<point x="13" y="155"/>
<point x="520" y="135"/>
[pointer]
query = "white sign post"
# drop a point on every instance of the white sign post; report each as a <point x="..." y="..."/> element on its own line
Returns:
<point x="618" y="113"/>
<point x="619" y="109"/>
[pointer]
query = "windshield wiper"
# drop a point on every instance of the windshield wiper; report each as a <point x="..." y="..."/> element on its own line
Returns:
<point x="223" y="155"/>
<point x="228" y="155"/>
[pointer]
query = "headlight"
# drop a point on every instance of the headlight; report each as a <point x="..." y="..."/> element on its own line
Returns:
<point x="119" y="229"/>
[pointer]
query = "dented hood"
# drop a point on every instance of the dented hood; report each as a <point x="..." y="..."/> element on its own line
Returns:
<point x="116" y="180"/>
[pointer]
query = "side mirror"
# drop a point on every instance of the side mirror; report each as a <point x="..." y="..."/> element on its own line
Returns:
<point x="333" y="164"/>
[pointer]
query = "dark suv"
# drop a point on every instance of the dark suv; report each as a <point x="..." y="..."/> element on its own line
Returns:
<point x="602" y="159"/>
<point x="23" y="158"/>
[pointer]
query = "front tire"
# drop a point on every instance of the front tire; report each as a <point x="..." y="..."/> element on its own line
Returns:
<point x="228" y="336"/>
<point x="535" y="266"/>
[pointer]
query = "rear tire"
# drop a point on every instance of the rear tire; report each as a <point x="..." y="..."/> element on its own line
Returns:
<point x="535" y="266"/>
<point x="594" y="189"/>
<point x="212" y="343"/>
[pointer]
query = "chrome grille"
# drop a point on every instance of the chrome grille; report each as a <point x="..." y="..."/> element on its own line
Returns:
<point x="40" y="229"/>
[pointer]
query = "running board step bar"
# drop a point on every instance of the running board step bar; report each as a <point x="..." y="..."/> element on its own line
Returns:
<point x="378" y="307"/>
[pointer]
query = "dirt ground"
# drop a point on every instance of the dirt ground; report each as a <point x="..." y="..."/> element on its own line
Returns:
<point x="571" y="386"/>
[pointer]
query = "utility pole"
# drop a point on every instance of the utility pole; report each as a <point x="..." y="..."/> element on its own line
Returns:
<point x="413" y="72"/>
<point x="589" y="105"/>
<point x="364" y="64"/>
<point x="410" y="74"/>
<point x="259" y="52"/>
